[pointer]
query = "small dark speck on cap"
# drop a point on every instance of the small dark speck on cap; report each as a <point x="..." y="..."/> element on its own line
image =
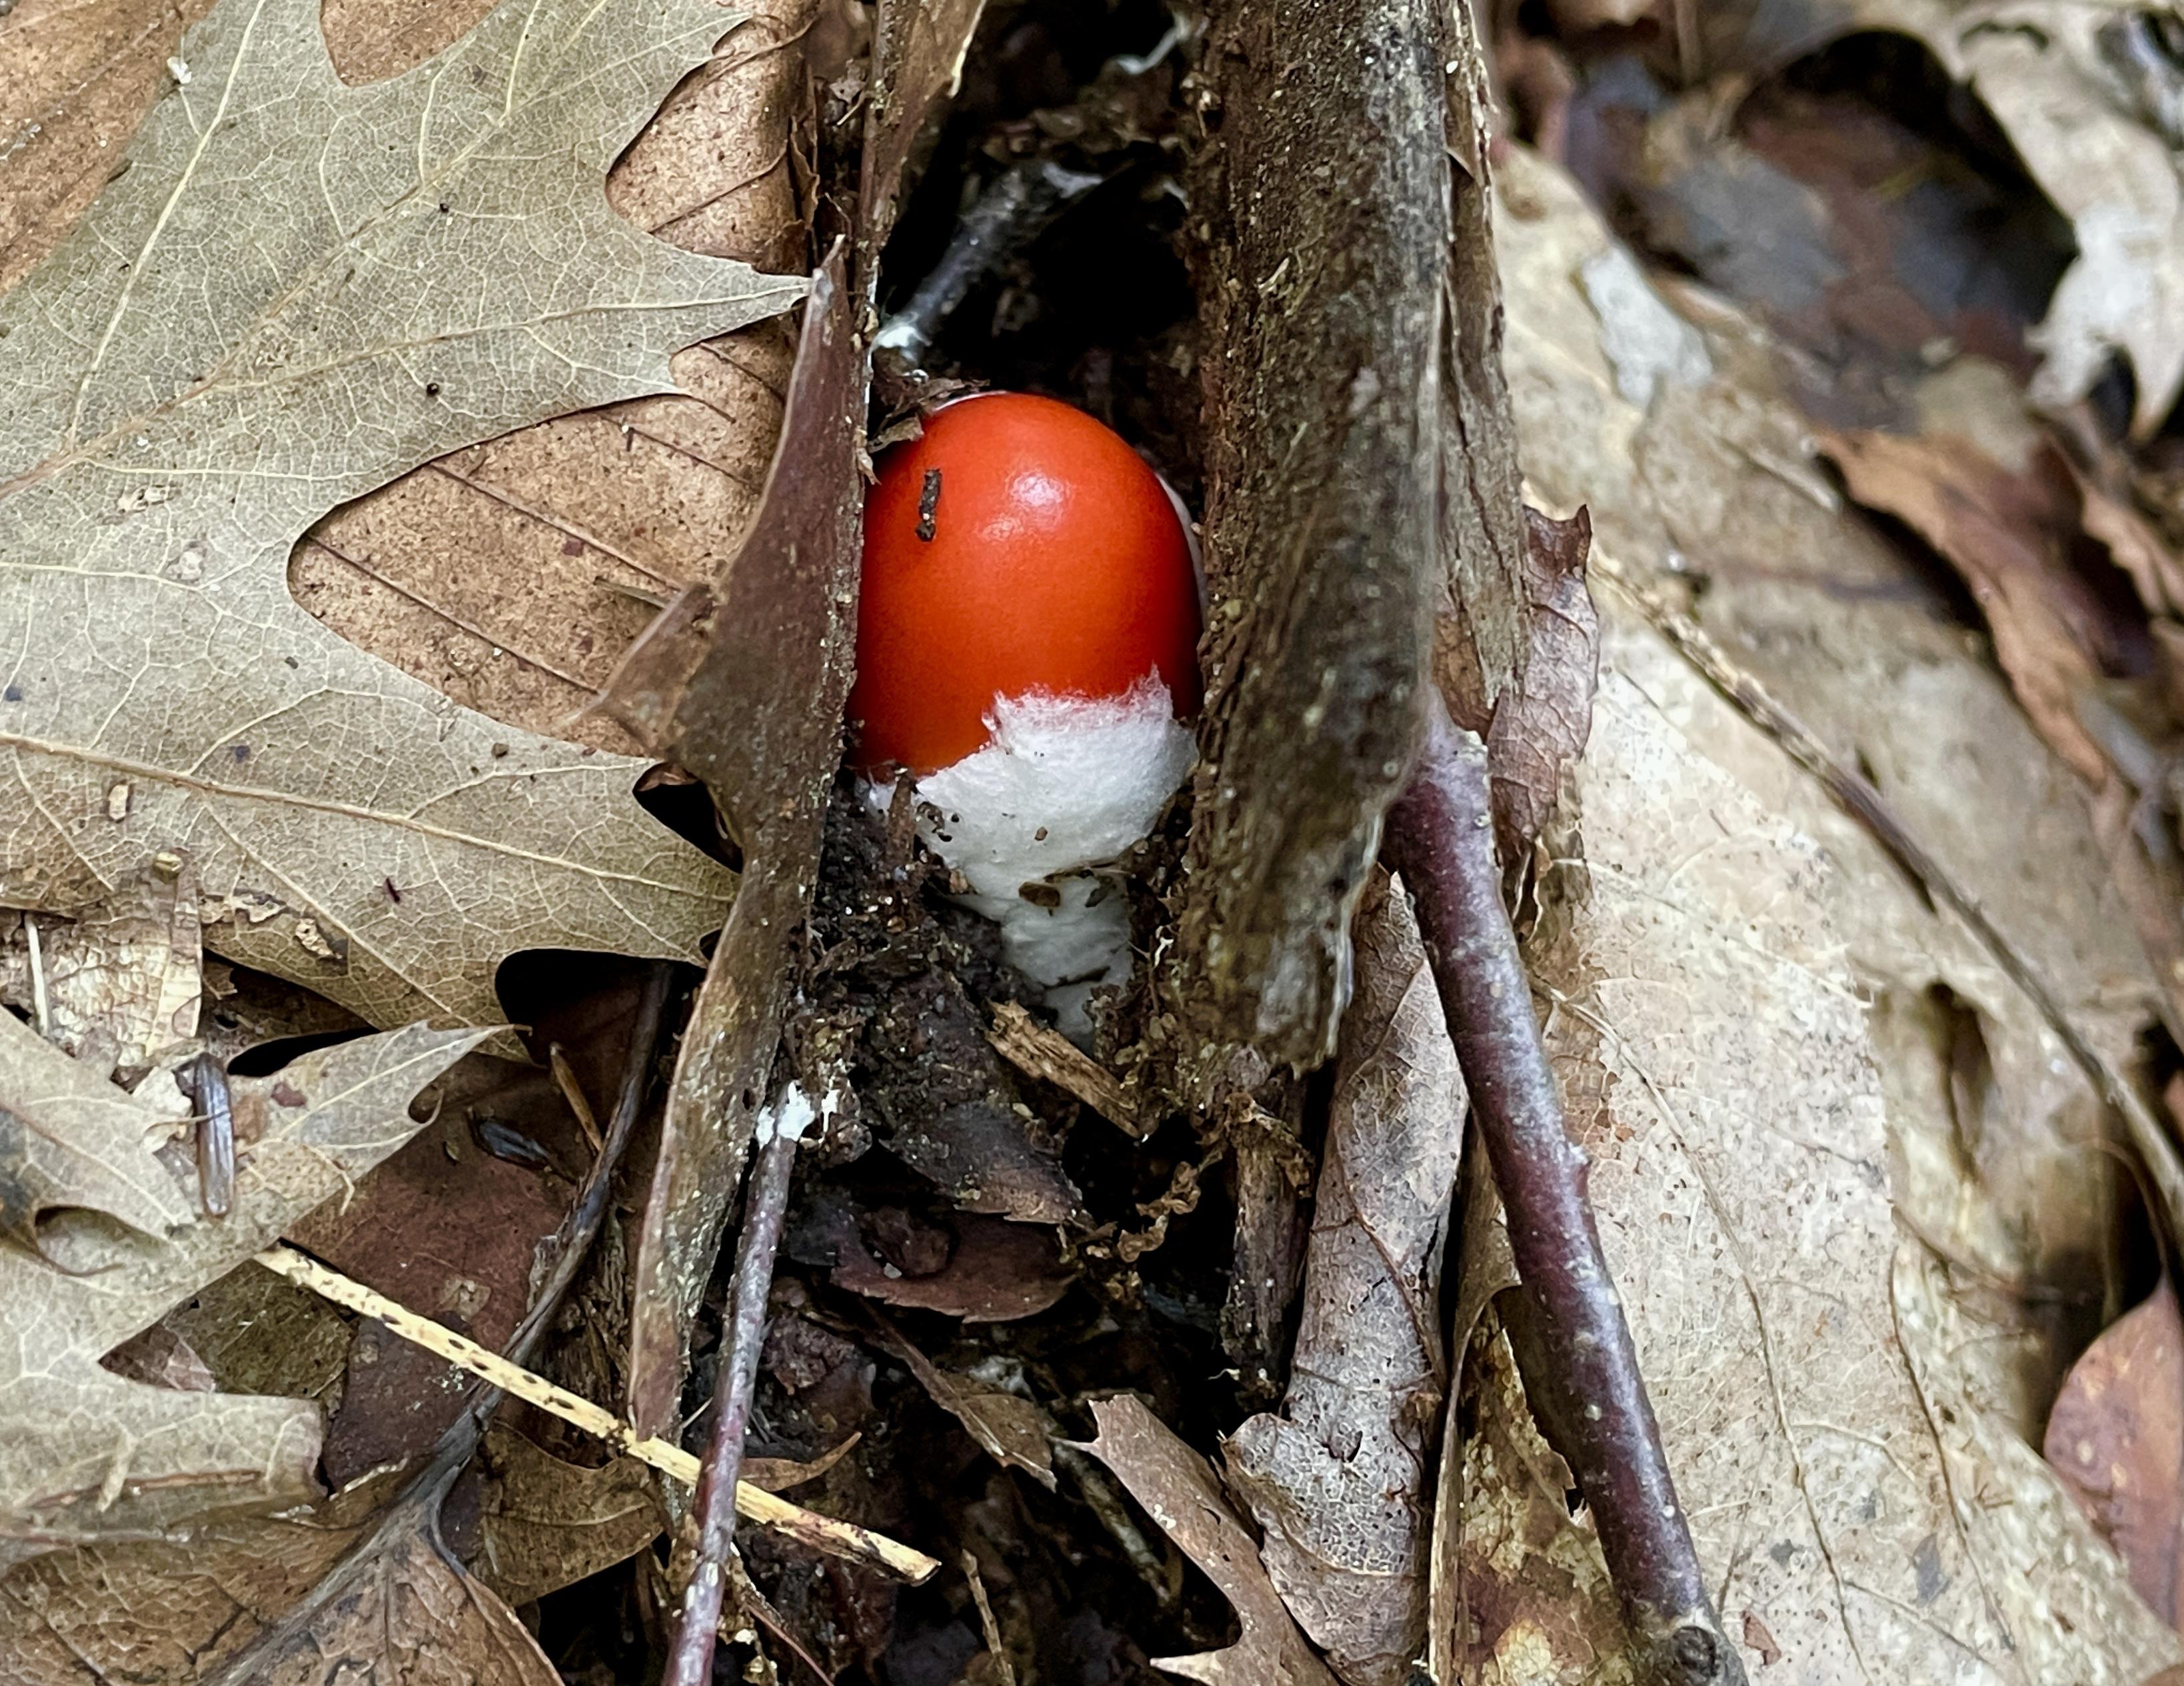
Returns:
<point x="240" y="751"/>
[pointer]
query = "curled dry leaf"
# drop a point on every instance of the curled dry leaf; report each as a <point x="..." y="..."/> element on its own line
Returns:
<point x="1013" y="1431"/>
<point x="1749" y="1005"/>
<point x="69" y="1139"/>
<point x="2004" y="532"/>
<point x="119" y="987"/>
<point x="1177" y="1489"/>
<point x="1541" y="722"/>
<point x="85" y="1455"/>
<point x="2116" y="1436"/>
<point x="707" y="686"/>
<point x="1339" y="1481"/>
<point x="549" y="1523"/>
<point x="996" y="1272"/>
<point x="178" y="422"/>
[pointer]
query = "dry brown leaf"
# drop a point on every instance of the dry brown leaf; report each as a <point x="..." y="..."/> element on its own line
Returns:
<point x="1777" y="1053"/>
<point x="2004" y="532"/>
<point x="550" y="1523"/>
<point x="1177" y="1488"/>
<point x="120" y="987"/>
<point x="996" y="1272"/>
<point x="1014" y="1432"/>
<point x="1541" y="722"/>
<point x="2116" y="1436"/>
<point x="779" y="1475"/>
<point x="144" y="1611"/>
<point x="178" y="422"/>
<point x="2059" y="78"/>
<point x="452" y="1234"/>
<point x="708" y="686"/>
<point x="87" y="1456"/>
<point x="399" y="1611"/>
<point x="1339" y="1481"/>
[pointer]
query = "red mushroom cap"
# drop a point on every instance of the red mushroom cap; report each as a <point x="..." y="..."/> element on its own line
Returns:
<point x="1018" y="546"/>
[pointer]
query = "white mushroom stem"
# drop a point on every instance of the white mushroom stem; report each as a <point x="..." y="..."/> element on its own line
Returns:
<point x="1064" y="788"/>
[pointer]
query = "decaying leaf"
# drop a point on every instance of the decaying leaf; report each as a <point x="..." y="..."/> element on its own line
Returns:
<point x="120" y="987"/>
<point x="707" y="685"/>
<point x="1013" y="1431"/>
<point x="1339" y="1481"/>
<point x="1751" y="1010"/>
<point x="1177" y="1488"/>
<point x="1541" y="722"/>
<point x="87" y="1456"/>
<point x="157" y="1615"/>
<point x="399" y="1607"/>
<point x="178" y="417"/>
<point x="2004" y="532"/>
<point x="549" y="1523"/>
<point x="995" y="1272"/>
<point x="2116" y="1436"/>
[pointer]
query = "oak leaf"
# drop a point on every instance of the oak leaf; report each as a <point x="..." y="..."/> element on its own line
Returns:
<point x="294" y="292"/>
<point x="86" y="1454"/>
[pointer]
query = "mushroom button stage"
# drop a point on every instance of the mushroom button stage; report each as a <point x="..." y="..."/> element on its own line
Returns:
<point x="1026" y="649"/>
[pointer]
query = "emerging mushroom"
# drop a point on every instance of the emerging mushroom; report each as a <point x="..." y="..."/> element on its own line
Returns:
<point x="1027" y="648"/>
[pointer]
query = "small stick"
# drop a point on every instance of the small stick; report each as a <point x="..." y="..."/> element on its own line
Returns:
<point x="565" y="1079"/>
<point x="1011" y="212"/>
<point x="41" y="1006"/>
<point x="215" y="1134"/>
<point x="1441" y="838"/>
<point x="1047" y="1054"/>
<point x="690" y="1653"/>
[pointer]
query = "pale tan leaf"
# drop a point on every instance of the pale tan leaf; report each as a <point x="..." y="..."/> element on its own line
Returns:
<point x="86" y="1456"/>
<point x="68" y="1137"/>
<point x="180" y="416"/>
<point x="120" y="986"/>
<point x="1177" y="1489"/>
<point x="76" y="78"/>
<point x="1784" y="1063"/>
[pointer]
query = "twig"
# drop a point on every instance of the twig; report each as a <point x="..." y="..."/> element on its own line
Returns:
<point x="1865" y="804"/>
<point x="822" y="1533"/>
<point x="417" y="1509"/>
<point x="690" y="1652"/>
<point x="1010" y="213"/>
<point x="1441" y="838"/>
<point x="1039" y="1052"/>
<point x="565" y="1079"/>
<point x="994" y="1649"/>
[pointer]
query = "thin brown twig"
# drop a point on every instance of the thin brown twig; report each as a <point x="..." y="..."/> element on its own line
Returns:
<point x="690" y="1652"/>
<point x="1441" y="838"/>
